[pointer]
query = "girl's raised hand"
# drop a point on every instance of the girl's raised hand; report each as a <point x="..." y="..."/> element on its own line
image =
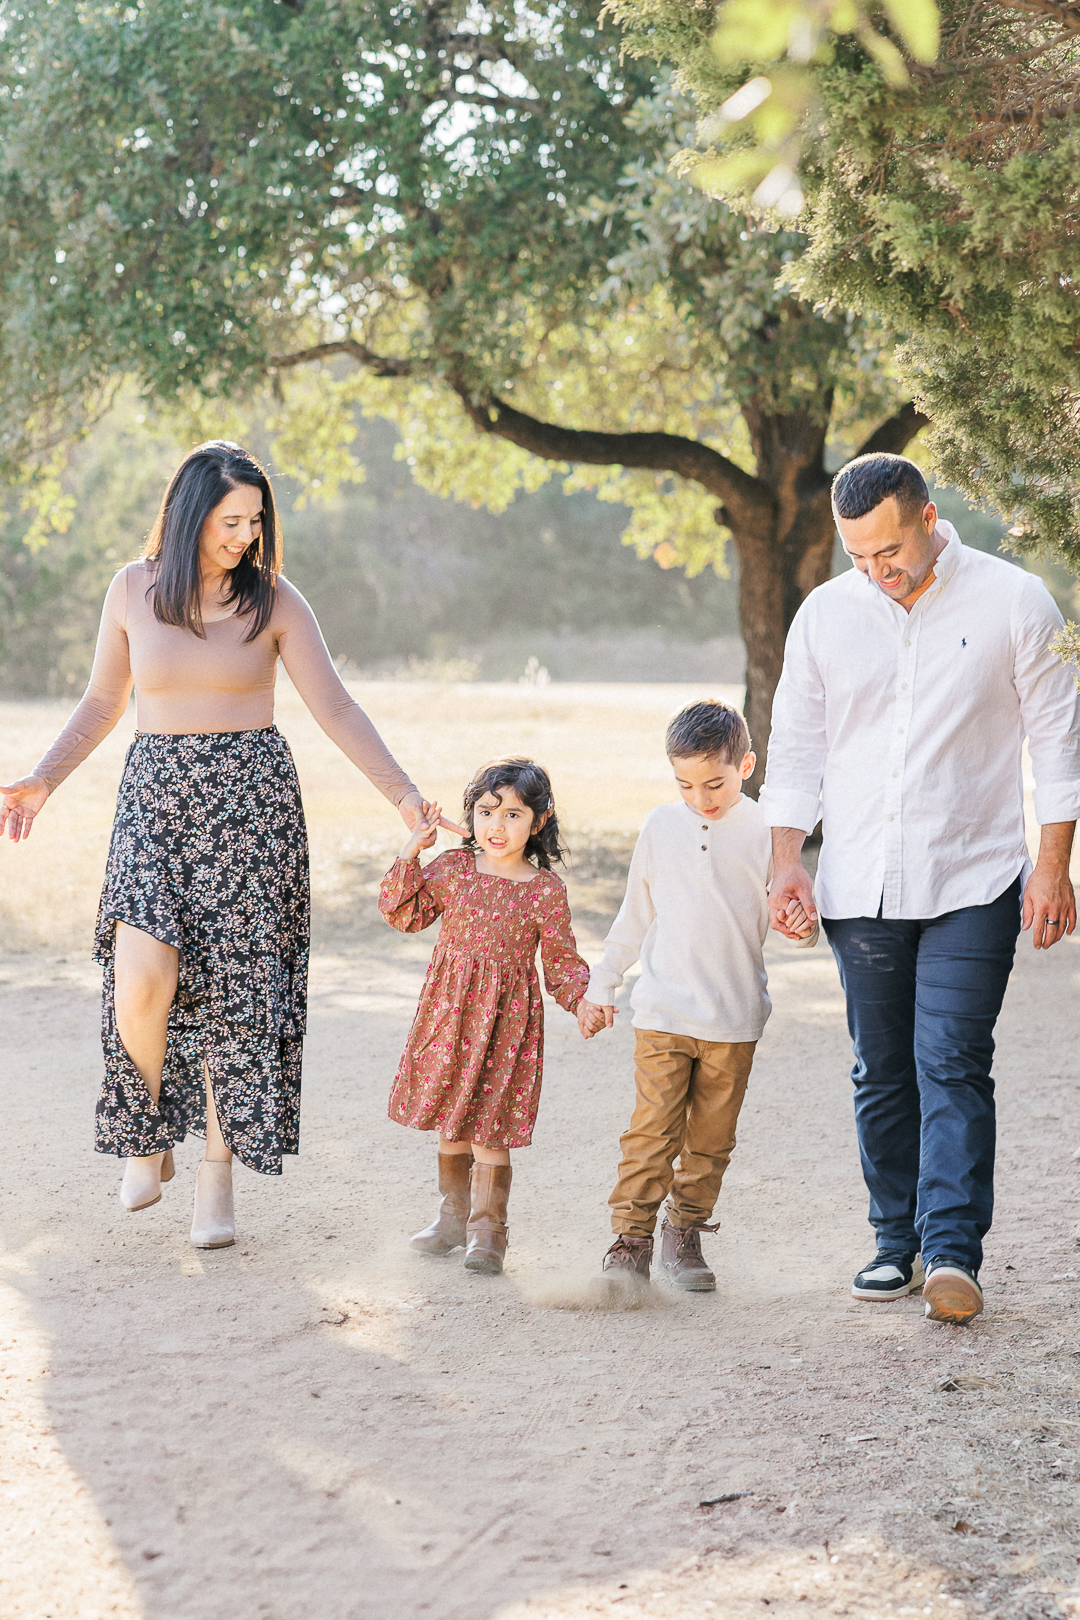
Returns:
<point x="19" y="804"/>
<point x="424" y="833"/>
<point x="412" y="807"/>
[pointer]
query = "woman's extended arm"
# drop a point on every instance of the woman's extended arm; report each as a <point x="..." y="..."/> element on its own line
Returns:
<point x="310" y="668"/>
<point x="102" y="704"/>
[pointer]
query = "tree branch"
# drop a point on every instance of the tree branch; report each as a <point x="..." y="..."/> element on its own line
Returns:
<point x="896" y="434"/>
<point x="379" y="365"/>
<point x="745" y="498"/>
<point x="1066" y="13"/>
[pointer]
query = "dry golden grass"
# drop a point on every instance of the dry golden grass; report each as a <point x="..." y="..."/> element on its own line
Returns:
<point x="604" y="747"/>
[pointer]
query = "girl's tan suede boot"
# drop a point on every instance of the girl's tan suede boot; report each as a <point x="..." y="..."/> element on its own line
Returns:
<point x="447" y="1230"/>
<point x="488" y="1233"/>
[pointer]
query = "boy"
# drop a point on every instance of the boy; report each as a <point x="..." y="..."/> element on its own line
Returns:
<point x="695" y="915"/>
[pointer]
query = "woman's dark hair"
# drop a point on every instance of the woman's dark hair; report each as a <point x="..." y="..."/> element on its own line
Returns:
<point x="532" y="785"/>
<point x="201" y="482"/>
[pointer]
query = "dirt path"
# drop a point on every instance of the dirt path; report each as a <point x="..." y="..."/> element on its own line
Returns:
<point x="318" y="1423"/>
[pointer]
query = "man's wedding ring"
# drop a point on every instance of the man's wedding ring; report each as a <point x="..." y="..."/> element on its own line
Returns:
<point x="1051" y="922"/>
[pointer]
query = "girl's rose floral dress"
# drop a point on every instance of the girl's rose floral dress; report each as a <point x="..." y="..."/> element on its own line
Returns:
<point x="473" y="1063"/>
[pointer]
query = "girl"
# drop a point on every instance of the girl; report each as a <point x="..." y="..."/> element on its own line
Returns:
<point x="473" y="1063"/>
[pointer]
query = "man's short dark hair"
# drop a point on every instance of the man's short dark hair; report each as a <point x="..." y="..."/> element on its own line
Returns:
<point x="868" y="480"/>
<point x="710" y="728"/>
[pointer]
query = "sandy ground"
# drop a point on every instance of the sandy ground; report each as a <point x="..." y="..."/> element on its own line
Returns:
<point x="318" y="1422"/>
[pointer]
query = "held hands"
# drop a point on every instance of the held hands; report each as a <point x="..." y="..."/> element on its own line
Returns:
<point x="413" y="808"/>
<point x="592" y="1018"/>
<point x="792" y="911"/>
<point x="19" y="804"/>
<point x="797" y="921"/>
<point x="424" y="833"/>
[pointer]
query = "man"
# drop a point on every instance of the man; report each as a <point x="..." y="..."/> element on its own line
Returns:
<point x="909" y="684"/>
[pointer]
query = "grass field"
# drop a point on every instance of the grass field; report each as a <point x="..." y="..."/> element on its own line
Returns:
<point x="603" y="744"/>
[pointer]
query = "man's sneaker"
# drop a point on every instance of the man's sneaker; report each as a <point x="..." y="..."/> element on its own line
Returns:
<point x="951" y="1293"/>
<point x="681" y="1257"/>
<point x="630" y="1257"/>
<point x="888" y="1276"/>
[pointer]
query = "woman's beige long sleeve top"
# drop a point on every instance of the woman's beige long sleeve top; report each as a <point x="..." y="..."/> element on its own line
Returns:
<point x="185" y="684"/>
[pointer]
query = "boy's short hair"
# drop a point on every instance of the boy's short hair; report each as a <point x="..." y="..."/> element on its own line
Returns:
<point x="709" y="727"/>
<point x="868" y="480"/>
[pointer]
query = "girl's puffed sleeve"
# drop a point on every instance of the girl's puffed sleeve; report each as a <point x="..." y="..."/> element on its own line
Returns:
<point x="566" y="974"/>
<point x="411" y="896"/>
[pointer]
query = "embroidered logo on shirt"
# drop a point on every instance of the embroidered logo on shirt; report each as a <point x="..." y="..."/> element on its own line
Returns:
<point x="963" y="641"/>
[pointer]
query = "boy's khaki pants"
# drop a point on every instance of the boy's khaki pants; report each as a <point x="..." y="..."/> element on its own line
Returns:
<point x="689" y="1094"/>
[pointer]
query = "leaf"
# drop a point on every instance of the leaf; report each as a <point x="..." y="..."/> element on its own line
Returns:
<point x="721" y="177"/>
<point x="886" y="56"/>
<point x="918" y="24"/>
<point x="754" y="30"/>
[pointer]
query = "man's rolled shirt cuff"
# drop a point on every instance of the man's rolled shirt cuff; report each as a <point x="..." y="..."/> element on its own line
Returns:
<point x="1060" y="802"/>
<point x="787" y="808"/>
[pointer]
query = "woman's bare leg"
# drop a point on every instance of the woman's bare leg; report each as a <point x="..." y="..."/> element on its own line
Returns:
<point x="216" y="1151"/>
<point x="146" y="974"/>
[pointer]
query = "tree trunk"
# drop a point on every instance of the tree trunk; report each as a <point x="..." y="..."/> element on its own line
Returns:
<point x="782" y="557"/>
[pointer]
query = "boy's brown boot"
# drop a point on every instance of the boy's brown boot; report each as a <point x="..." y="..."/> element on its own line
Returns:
<point x="681" y="1258"/>
<point x="488" y="1233"/>
<point x="447" y="1230"/>
<point x="630" y="1255"/>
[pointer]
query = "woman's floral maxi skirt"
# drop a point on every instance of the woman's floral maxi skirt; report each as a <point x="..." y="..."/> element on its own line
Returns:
<point x="209" y="853"/>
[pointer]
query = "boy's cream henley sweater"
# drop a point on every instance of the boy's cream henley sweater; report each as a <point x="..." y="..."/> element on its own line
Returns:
<point x="695" y="915"/>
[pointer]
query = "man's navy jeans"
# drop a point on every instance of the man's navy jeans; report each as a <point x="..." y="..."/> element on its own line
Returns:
<point x="922" y="1000"/>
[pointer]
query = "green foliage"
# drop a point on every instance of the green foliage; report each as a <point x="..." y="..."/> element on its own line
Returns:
<point x="947" y="208"/>
<point x="686" y="331"/>
<point x="470" y="200"/>
<point x="750" y="147"/>
<point x="192" y="187"/>
<point x="50" y="595"/>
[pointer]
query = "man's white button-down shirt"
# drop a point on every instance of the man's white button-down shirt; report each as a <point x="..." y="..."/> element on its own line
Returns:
<point x="903" y="732"/>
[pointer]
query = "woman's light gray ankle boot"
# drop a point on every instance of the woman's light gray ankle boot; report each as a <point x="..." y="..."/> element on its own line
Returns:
<point x="142" y="1181"/>
<point x="213" y="1225"/>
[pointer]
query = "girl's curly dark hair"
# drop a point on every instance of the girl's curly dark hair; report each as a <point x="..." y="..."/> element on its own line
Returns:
<point x="532" y="785"/>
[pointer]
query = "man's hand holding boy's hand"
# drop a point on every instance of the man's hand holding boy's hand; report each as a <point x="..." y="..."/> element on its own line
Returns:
<point x="796" y="920"/>
<point x="592" y="1018"/>
<point x="790" y="882"/>
<point x="424" y="833"/>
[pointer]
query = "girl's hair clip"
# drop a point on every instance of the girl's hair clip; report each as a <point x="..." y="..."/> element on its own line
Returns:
<point x="550" y="803"/>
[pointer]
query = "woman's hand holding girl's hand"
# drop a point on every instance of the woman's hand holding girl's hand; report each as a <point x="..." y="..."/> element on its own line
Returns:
<point x="424" y="833"/>
<point x="592" y="1018"/>
<point x="19" y="804"/>
<point x="414" y="808"/>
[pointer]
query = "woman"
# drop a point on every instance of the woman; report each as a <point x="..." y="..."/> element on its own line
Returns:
<point x="204" y="919"/>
